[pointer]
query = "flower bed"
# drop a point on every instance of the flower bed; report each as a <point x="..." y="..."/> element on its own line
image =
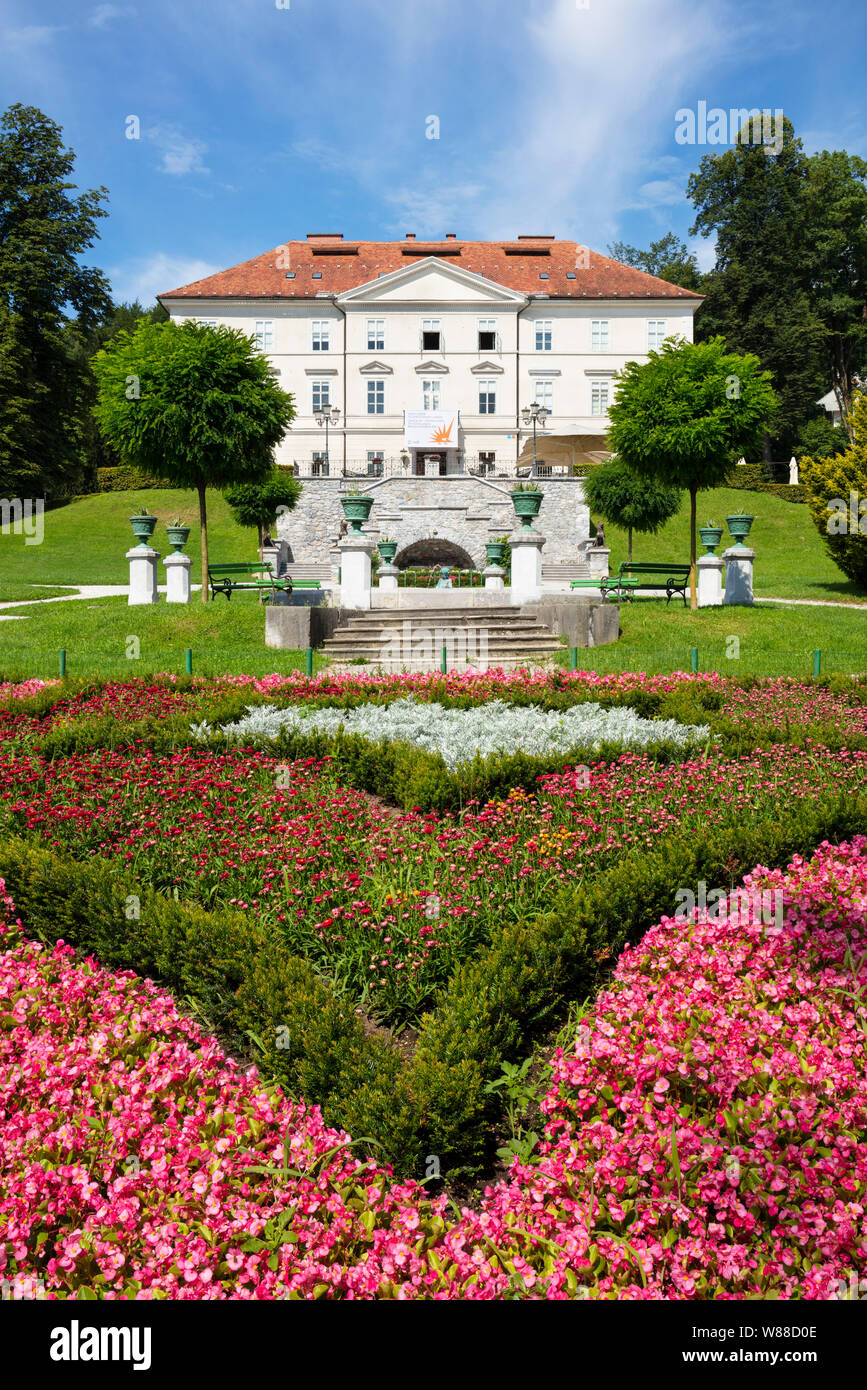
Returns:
<point x="705" y="1136"/>
<point x="459" y="736"/>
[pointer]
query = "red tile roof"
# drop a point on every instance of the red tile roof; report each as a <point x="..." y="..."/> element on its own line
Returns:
<point x="342" y="266"/>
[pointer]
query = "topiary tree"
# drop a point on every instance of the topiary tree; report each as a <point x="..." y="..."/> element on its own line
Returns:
<point x="682" y="418"/>
<point x="260" y="504"/>
<point x="196" y="405"/>
<point x="618" y="495"/>
<point x="836" y="491"/>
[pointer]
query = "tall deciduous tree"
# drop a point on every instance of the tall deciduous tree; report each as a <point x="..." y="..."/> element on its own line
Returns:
<point x="614" y="492"/>
<point x="44" y="230"/>
<point x="752" y="199"/>
<point x="686" y="415"/>
<point x="836" y="199"/>
<point x="197" y="405"/>
<point x="837" y="497"/>
<point x="669" y="258"/>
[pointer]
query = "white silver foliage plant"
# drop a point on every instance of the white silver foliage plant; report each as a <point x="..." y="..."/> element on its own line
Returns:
<point x="457" y="735"/>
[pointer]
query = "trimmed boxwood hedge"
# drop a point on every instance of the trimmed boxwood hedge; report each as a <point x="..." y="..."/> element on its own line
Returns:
<point x="251" y="987"/>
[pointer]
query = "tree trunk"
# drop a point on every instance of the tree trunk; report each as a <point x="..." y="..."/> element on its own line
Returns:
<point x="629" y="545"/>
<point x="203" y="518"/>
<point x="693" y="596"/>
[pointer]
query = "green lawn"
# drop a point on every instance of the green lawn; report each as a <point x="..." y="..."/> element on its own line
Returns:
<point x="13" y="592"/>
<point x="791" y="561"/>
<point x="98" y="634"/>
<point x="771" y="639"/>
<point x="86" y="540"/>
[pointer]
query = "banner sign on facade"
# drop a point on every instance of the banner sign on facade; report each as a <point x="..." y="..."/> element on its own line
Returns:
<point x="431" y="429"/>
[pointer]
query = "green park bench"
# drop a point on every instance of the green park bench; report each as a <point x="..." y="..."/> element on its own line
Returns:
<point x="634" y="575"/>
<point x="225" y="579"/>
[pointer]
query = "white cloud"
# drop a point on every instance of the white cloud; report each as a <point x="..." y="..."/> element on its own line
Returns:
<point x="660" y="193"/>
<point x="146" y="277"/>
<point x="30" y="35"/>
<point x="104" y="14"/>
<point x="181" y="154"/>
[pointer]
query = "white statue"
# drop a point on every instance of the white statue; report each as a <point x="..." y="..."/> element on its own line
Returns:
<point x="793" y="471"/>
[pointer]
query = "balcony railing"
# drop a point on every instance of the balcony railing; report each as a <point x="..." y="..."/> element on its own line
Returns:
<point x="464" y="466"/>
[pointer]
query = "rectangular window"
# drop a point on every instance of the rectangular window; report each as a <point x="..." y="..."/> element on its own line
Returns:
<point x="599" y="397"/>
<point x="321" y="335"/>
<point x="376" y="397"/>
<point x="487" y="460"/>
<point x="431" y="335"/>
<point x="487" y="397"/>
<point x="376" y="335"/>
<point x="431" y="395"/>
<point x="545" y="394"/>
<point x="375" y="462"/>
<point x="487" y="335"/>
<point x="655" y="334"/>
<point x="264" y="335"/>
<point x="544" y="335"/>
<point x="321" y="394"/>
<point x="319" y="468"/>
<point x="599" y="335"/>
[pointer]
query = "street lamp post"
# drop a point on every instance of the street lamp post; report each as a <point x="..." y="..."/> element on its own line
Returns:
<point x="530" y="415"/>
<point x="327" y="415"/>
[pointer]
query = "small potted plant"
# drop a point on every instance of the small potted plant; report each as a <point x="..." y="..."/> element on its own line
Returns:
<point x="143" y="525"/>
<point x="178" y="534"/>
<point x="356" y="508"/>
<point x="711" y="535"/>
<point x="739" y="524"/>
<point x="387" y="550"/>
<point x="527" y="500"/>
<point x="494" y="551"/>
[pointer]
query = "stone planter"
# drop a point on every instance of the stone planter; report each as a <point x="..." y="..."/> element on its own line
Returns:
<point x="710" y="537"/>
<point x="178" y="537"/>
<point x="494" y="551"/>
<point x="387" y="551"/>
<point x="527" y="505"/>
<point x="356" y="510"/>
<point x="739" y="526"/>
<point x="143" y="526"/>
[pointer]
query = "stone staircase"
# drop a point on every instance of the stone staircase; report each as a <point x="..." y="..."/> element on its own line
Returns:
<point x="412" y="640"/>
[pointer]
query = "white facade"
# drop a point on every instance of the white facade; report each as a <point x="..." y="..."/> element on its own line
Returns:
<point x="435" y="336"/>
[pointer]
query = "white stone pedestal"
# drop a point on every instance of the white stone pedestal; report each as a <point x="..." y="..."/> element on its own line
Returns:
<point x="355" y="553"/>
<point x="143" y="575"/>
<point x="526" y="546"/>
<point x="739" y="575"/>
<point x="178" y="578"/>
<point x="495" y="577"/>
<point x="597" y="557"/>
<point x="709" y="580"/>
<point x="388" y="579"/>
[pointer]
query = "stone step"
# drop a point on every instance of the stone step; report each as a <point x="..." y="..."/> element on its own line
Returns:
<point x="367" y="629"/>
<point x="346" y="651"/>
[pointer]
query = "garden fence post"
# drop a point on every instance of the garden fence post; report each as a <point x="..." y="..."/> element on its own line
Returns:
<point x="188" y="661"/>
<point x="573" y="658"/>
<point x="444" y="660"/>
<point x="693" y="660"/>
<point x="308" y="661"/>
<point x="63" y="663"/>
<point x="817" y="663"/>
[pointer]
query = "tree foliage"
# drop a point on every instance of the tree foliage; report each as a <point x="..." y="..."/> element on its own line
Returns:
<point x="613" y="491"/>
<point x="836" y="490"/>
<point x="669" y="259"/>
<point x="44" y="231"/>
<point x="197" y="405"/>
<point x="682" y="418"/>
<point x="260" y="504"/>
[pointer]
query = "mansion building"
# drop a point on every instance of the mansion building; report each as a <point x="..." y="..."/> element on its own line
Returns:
<point x="428" y="353"/>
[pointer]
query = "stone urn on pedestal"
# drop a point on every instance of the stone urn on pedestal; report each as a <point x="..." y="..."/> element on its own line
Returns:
<point x="356" y="508"/>
<point x="143" y="561"/>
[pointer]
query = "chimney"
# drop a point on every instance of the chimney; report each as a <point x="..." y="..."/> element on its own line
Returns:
<point x="451" y="236"/>
<point x="324" y="236"/>
<point x="410" y="236"/>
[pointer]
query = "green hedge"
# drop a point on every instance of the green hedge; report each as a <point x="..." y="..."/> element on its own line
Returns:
<point x="750" y="477"/>
<point x="249" y="984"/>
<point x="127" y="479"/>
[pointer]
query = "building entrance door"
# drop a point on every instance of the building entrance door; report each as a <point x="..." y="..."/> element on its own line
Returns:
<point x="428" y="465"/>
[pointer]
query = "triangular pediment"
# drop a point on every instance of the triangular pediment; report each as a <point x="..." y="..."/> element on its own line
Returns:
<point x="487" y="369"/>
<point x="432" y="368"/>
<point x="432" y="281"/>
<point x="377" y="368"/>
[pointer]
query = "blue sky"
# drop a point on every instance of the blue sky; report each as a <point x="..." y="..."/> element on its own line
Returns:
<point x="259" y="123"/>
